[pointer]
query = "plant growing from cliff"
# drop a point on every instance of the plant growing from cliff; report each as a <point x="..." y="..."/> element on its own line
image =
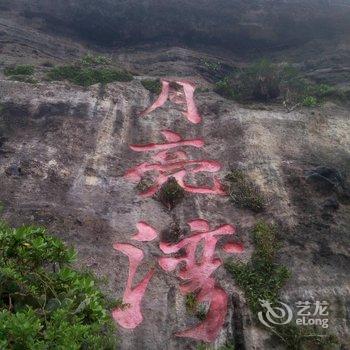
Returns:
<point x="171" y="193"/>
<point x="309" y="101"/>
<point x="195" y="308"/>
<point x="212" y="65"/>
<point x="191" y="302"/>
<point x="243" y="193"/>
<point x="19" y="70"/>
<point x="265" y="81"/>
<point x="262" y="278"/>
<point x="224" y="88"/>
<point x="86" y="76"/>
<point x="92" y="60"/>
<point x="153" y="86"/>
<point x="44" y="303"/>
<point x="298" y="338"/>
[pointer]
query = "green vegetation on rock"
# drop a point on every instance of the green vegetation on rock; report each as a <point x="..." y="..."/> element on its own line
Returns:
<point x="44" y="303"/>
<point x="265" y="81"/>
<point x="309" y="101"/>
<point x="243" y="193"/>
<point x="91" y="60"/>
<point x="171" y="193"/>
<point x="153" y="86"/>
<point x="300" y="338"/>
<point x="19" y="70"/>
<point x="191" y="302"/>
<point x="262" y="279"/>
<point x="86" y="76"/>
<point x="195" y="308"/>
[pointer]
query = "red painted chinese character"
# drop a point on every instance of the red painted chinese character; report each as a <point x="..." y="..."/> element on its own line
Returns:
<point x="130" y="316"/>
<point x="178" y="97"/>
<point x="176" y="164"/>
<point x="197" y="275"/>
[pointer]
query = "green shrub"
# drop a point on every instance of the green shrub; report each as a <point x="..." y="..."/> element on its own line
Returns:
<point x="212" y="65"/>
<point x="264" y="81"/>
<point x="309" y="101"/>
<point x="224" y="88"/>
<point x="19" y="70"/>
<point x="91" y="60"/>
<point x="86" y="76"/>
<point x="171" y="193"/>
<point x="259" y="81"/>
<point x="154" y="86"/>
<point x="243" y="193"/>
<point x="44" y="303"/>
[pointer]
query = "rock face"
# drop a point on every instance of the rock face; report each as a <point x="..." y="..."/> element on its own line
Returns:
<point x="239" y="25"/>
<point x="65" y="151"/>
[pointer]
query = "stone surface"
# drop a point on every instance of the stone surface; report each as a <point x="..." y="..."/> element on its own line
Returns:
<point x="64" y="152"/>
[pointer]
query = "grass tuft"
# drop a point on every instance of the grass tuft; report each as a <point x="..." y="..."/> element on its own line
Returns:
<point x="243" y="193"/>
<point x="19" y="70"/>
<point x="86" y="76"/>
<point x="154" y="86"/>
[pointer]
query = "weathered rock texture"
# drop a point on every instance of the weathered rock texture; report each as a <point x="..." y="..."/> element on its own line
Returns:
<point x="64" y="152"/>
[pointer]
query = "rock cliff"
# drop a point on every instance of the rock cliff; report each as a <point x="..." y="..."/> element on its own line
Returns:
<point x="65" y="149"/>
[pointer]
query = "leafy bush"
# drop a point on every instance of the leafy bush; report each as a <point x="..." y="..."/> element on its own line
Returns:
<point x="243" y="193"/>
<point x="44" y="303"/>
<point x="86" y="76"/>
<point x="153" y="86"/>
<point x="19" y="70"/>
